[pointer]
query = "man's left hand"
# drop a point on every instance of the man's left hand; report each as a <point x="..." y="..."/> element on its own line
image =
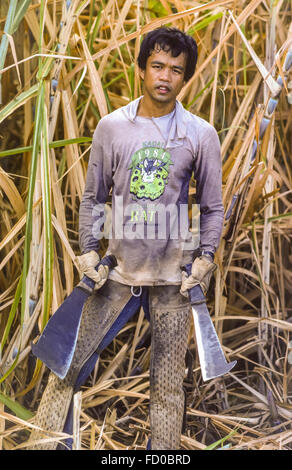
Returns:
<point x="202" y="270"/>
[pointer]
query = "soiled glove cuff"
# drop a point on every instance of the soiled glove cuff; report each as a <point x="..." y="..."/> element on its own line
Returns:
<point x="102" y="275"/>
<point x="202" y="270"/>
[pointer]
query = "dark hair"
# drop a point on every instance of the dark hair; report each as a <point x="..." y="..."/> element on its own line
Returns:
<point x="170" y="39"/>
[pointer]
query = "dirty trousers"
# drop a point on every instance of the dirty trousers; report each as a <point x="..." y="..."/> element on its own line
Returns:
<point x="104" y="314"/>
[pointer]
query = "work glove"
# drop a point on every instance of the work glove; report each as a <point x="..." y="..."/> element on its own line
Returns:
<point x="86" y="264"/>
<point x="202" y="270"/>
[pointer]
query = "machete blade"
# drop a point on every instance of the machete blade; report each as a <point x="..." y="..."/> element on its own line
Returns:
<point x="54" y="348"/>
<point x="212" y="359"/>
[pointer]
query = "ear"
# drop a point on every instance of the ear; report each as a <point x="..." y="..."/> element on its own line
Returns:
<point x="141" y="74"/>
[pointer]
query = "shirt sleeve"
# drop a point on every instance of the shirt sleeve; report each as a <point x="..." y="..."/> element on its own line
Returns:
<point x="208" y="175"/>
<point x="97" y="187"/>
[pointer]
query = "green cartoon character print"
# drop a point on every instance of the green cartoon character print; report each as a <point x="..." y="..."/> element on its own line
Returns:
<point x="150" y="167"/>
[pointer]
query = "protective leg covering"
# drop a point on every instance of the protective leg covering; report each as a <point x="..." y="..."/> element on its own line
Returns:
<point x="170" y="323"/>
<point x="111" y="306"/>
<point x="51" y="413"/>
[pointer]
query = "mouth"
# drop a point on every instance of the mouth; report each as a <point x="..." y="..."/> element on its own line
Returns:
<point x="163" y="89"/>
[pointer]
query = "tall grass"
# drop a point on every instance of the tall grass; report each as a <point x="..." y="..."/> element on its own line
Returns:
<point x="64" y="65"/>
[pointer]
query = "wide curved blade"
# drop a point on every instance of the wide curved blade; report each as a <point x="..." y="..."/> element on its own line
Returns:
<point x="212" y="360"/>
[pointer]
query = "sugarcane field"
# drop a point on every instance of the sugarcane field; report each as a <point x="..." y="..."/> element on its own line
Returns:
<point x="146" y="226"/>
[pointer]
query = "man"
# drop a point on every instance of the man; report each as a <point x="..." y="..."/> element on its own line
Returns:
<point x="146" y="153"/>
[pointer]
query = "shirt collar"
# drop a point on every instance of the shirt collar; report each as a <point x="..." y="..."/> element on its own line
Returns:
<point x="179" y="127"/>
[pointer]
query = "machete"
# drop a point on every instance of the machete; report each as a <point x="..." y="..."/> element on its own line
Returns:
<point x="57" y="343"/>
<point x="211" y="356"/>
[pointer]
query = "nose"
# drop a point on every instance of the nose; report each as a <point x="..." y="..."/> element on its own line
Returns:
<point x="165" y="74"/>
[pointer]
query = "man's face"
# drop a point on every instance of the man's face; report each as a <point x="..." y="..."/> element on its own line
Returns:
<point x="163" y="76"/>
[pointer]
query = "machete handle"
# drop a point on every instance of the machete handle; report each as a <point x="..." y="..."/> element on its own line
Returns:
<point x="196" y="294"/>
<point x="109" y="261"/>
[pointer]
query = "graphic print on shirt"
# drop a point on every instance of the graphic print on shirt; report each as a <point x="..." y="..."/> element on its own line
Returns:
<point x="150" y="168"/>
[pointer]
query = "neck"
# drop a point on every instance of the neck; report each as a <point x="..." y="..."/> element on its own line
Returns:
<point x="148" y="108"/>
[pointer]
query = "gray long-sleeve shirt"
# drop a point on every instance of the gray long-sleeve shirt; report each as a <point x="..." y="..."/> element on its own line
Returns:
<point x="149" y="177"/>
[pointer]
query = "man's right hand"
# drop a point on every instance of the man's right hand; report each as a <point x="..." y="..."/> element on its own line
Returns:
<point x="87" y="263"/>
